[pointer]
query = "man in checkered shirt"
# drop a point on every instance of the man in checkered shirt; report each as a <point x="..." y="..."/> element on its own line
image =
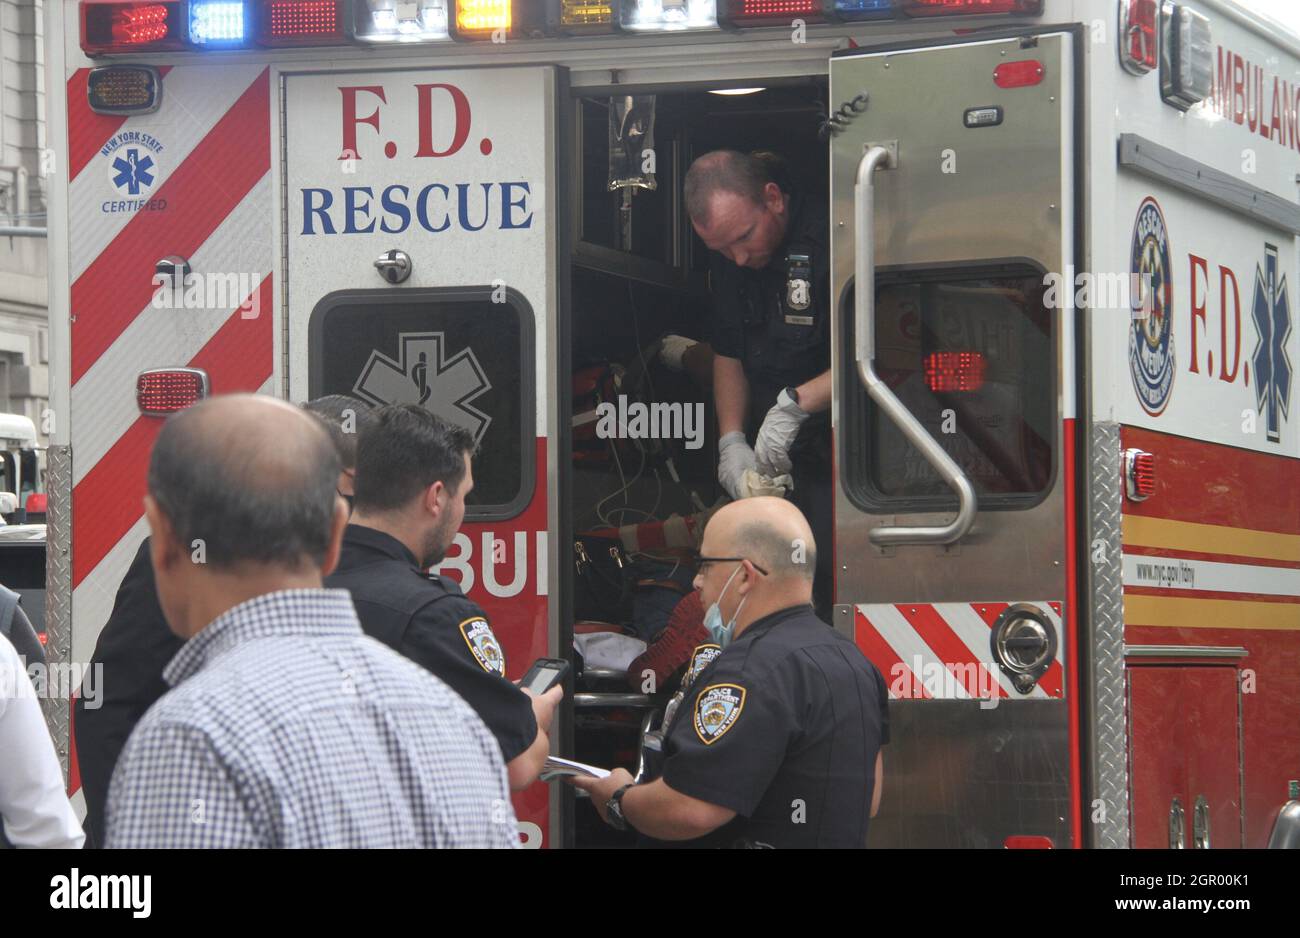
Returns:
<point x="285" y="726"/>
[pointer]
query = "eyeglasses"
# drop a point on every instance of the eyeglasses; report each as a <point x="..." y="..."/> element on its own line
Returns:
<point x="703" y="562"/>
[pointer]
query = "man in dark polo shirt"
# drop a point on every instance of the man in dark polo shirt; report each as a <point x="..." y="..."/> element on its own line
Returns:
<point x="413" y="473"/>
<point x="777" y="742"/>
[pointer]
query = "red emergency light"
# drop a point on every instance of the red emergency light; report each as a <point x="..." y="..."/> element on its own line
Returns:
<point x="109" y="26"/>
<point x="36" y="503"/>
<point x="954" y="371"/>
<point x="970" y="7"/>
<point x="1139" y="50"/>
<point x="1139" y="474"/>
<point x="1019" y="74"/>
<point x="757" y="12"/>
<point x="163" y="391"/>
<point x="301" y="23"/>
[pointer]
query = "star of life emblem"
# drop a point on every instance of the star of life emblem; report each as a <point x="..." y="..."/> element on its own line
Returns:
<point x="424" y="374"/>
<point x="1271" y="311"/>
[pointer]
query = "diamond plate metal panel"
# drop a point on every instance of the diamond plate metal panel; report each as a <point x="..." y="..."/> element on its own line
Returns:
<point x="58" y="592"/>
<point x="1108" y="812"/>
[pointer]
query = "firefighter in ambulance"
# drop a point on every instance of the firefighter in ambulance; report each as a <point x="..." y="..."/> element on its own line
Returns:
<point x="777" y="741"/>
<point x="770" y="334"/>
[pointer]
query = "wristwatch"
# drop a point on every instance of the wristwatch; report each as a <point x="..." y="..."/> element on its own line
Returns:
<point x="614" y="809"/>
<point x="791" y="392"/>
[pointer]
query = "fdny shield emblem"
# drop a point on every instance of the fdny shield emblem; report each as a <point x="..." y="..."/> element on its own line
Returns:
<point x="483" y="645"/>
<point x="716" y="710"/>
<point x="798" y="285"/>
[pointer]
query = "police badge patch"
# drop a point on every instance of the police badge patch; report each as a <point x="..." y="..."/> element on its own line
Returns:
<point x="798" y="287"/>
<point x="716" y="710"/>
<point x="701" y="658"/>
<point x="483" y="645"/>
<point x="1151" y="336"/>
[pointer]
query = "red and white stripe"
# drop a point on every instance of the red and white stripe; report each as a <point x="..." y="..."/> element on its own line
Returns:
<point x="215" y="174"/>
<point x="942" y="651"/>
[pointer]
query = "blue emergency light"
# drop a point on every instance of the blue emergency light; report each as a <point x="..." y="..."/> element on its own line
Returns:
<point x="218" y="23"/>
<point x="864" y="9"/>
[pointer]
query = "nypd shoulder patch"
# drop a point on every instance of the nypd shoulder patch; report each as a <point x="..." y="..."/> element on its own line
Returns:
<point x="701" y="658"/>
<point x="717" y="709"/>
<point x="483" y="645"/>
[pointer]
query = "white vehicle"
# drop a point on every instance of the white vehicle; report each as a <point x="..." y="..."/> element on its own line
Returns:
<point x="1067" y="442"/>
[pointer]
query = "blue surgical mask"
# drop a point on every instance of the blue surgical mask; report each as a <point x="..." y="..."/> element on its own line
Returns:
<point x="721" y="634"/>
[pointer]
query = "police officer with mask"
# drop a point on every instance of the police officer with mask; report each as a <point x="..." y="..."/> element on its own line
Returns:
<point x="771" y="333"/>
<point x="777" y="742"/>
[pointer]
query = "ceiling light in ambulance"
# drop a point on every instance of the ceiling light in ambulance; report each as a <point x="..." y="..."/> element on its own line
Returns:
<point x="218" y="24"/>
<point x="947" y="372"/>
<point x="124" y="89"/>
<point x="582" y="17"/>
<point x="301" y="23"/>
<point x="864" y="9"/>
<point x="1138" y="35"/>
<point x="970" y="7"/>
<point x="770" y="12"/>
<point x="163" y="391"/>
<point x="668" y="15"/>
<point x="108" y="27"/>
<point x="1186" y="56"/>
<point x="735" y="91"/>
<point x="401" y="20"/>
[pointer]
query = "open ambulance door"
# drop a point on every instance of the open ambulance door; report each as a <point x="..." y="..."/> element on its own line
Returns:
<point x="419" y="253"/>
<point x="952" y="198"/>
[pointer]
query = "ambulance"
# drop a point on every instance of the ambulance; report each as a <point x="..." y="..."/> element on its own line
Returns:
<point x="1061" y="299"/>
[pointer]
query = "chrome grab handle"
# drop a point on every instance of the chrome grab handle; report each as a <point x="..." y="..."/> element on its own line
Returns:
<point x="1177" y="826"/>
<point x="586" y="700"/>
<point x="1286" y="829"/>
<point x="864" y="310"/>
<point x="1201" y="824"/>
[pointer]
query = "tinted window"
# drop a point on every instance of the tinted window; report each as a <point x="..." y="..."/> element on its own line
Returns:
<point x="454" y="352"/>
<point x="971" y="356"/>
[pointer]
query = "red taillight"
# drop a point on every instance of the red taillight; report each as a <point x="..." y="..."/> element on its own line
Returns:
<point x="43" y="638"/>
<point x="164" y="391"/>
<point x="301" y="22"/>
<point x="1027" y="842"/>
<point x="954" y="371"/>
<point x="1018" y="74"/>
<point x="1139" y="52"/>
<point x="108" y="26"/>
<point x="753" y="12"/>
<point x="36" y="502"/>
<point x="967" y="7"/>
<point x="1139" y="474"/>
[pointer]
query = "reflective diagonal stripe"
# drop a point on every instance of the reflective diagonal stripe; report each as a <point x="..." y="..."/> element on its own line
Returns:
<point x="200" y="192"/>
<point x="104" y="399"/>
<point x="106" y="503"/>
<point x="197" y="97"/>
<point x="912" y="649"/>
<point x="899" y="677"/>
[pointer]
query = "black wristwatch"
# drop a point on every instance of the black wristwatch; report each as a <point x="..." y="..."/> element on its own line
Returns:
<point x="793" y="392"/>
<point x="614" y="809"/>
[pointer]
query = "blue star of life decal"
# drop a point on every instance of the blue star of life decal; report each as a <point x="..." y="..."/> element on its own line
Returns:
<point x="425" y="375"/>
<point x="133" y="171"/>
<point x="1272" y="365"/>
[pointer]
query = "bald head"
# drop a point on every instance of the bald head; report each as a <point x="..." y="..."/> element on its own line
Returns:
<point x="770" y="532"/>
<point x="251" y="477"/>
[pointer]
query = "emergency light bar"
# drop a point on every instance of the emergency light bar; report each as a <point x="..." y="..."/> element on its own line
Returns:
<point x="110" y="26"/>
<point x="218" y="24"/>
<point x="774" y="12"/>
<point x="301" y="23"/>
<point x="580" y="17"/>
<point x="487" y="19"/>
<point x="163" y="391"/>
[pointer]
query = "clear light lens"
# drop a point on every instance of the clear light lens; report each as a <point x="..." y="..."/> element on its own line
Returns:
<point x="670" y="14"/>
<point x="216" y="23"/>
<point x="402" y="20"/>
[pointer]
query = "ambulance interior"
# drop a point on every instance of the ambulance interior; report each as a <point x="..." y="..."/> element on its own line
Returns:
<point x="644" y="479"/>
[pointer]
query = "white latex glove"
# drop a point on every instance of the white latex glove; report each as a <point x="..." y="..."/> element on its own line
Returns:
<point x="734" y="457"/>
<point x="776" y="435"/>
<point x="753" y="483"/>
<point x="672" y="350"/>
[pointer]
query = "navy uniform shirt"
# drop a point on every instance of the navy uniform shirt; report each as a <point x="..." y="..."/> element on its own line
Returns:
<point x="783" y="728"/>
<point x="754" y="321"/>
<point x="429" y="620"/>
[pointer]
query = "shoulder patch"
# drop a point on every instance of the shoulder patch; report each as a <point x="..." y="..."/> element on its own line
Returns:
<point x="483" y="644"/>
<point x="717" y="709"/>
<point x="701" y="658"/>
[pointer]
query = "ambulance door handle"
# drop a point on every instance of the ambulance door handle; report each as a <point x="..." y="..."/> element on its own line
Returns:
<point x="864" y="310"/>
<point x="1201" y="824"/>
<point x="1177" y="826"/>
